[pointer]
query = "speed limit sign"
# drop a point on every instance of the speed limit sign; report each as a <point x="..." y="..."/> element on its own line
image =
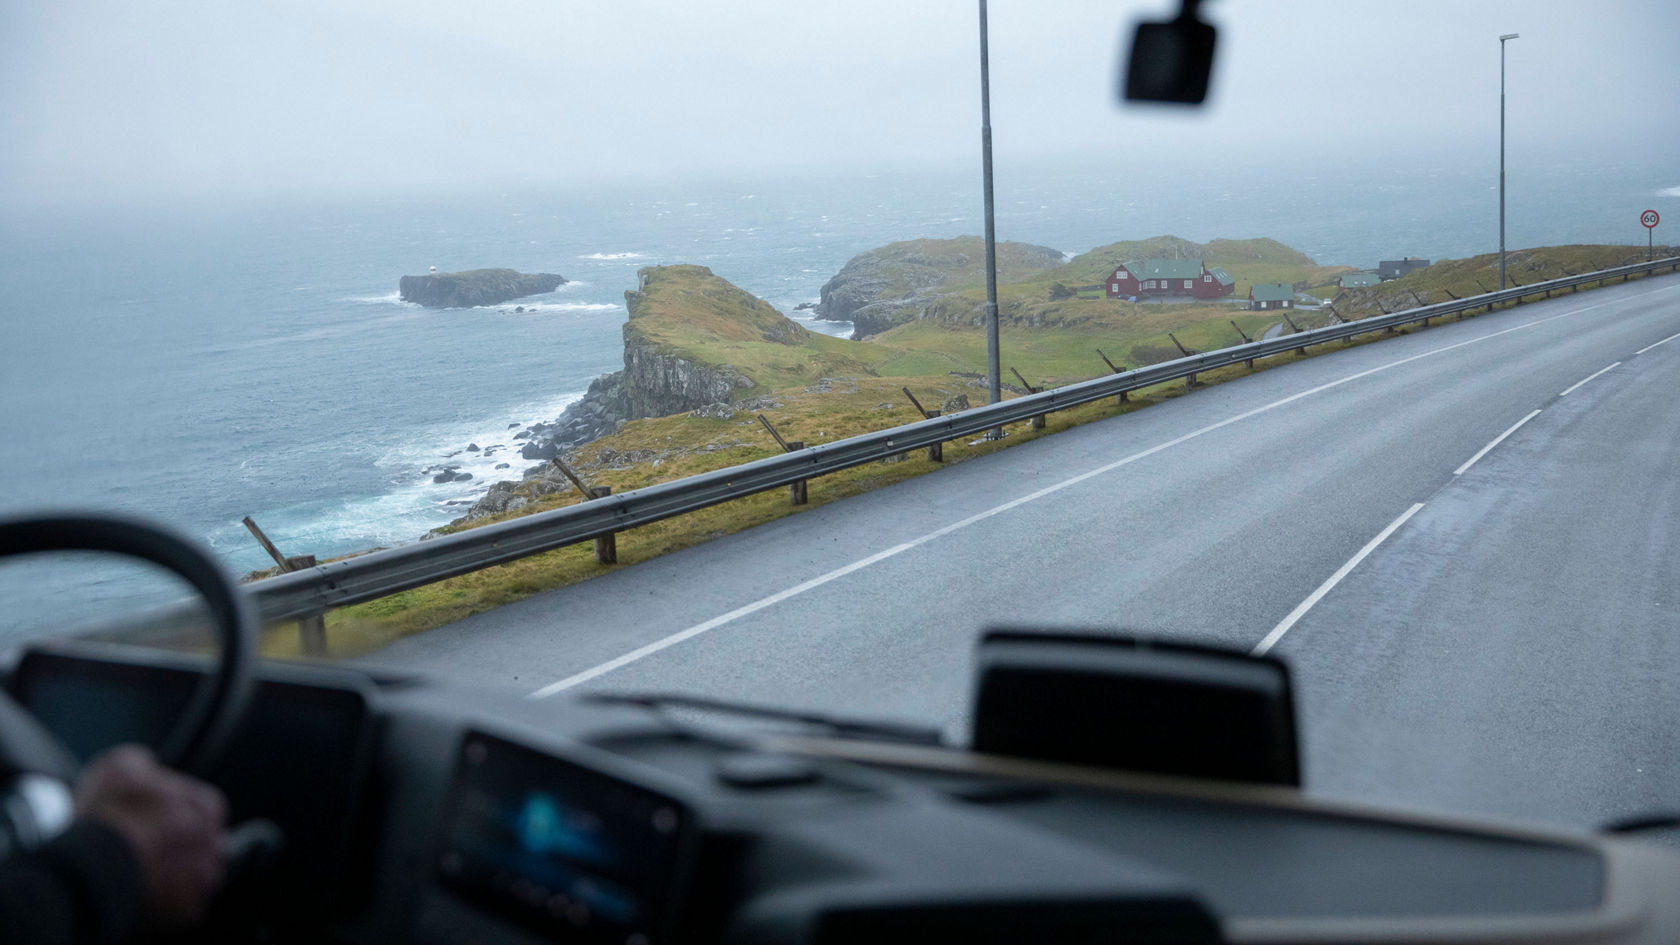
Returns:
<point x="1649" y="218"/>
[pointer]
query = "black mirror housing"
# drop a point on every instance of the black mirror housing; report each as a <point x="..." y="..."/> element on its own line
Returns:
<point x="1171" y="61"/>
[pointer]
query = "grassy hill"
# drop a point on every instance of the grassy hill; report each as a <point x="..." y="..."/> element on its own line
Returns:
<point x="1459" y="278"/>
<point x="1027" y="302"/>
<point x="687" y="312"/>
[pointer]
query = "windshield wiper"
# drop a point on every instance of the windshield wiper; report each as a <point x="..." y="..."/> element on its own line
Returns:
<point x="834" y="725"/>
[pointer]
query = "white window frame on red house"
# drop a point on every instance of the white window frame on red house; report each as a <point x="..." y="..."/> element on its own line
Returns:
<point x="1189" y="283"/>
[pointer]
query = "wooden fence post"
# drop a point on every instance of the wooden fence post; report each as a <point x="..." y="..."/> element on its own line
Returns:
<point x="936" y="451"/>
<point x="312" y="631"/>
<point x="1119" y="398"/>
<point x="1037" y="418"/>
<point x="1248" y="341"/>
<point x="606" y="543"/>
<point x="796" y="489"/>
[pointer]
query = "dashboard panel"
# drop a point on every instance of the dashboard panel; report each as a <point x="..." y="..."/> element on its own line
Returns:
<point x="567" y="850"/>
<point x="424" y="813"/>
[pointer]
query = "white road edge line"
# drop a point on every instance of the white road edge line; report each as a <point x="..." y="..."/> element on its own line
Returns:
<point x="818" y="581"/>
<point x="1325" y="588"/>
<point x="1662" y="342"/>
<point x="1573" y="387"/>
<point x="1496" y="441"/>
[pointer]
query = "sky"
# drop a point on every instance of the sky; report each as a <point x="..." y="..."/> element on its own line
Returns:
<point x="110" y="98"/>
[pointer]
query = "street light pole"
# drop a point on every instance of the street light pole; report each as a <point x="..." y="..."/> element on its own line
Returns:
<point x="1502" y="39"/>
<point x="994" y="379"/>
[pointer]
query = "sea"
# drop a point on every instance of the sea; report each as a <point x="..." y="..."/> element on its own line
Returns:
<point x="199" y="362"/>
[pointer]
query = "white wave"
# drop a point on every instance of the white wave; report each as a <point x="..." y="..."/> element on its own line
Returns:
<point x="1669" y="192"/>
<point x="389" y="298"/>
<point x="612" y="256"/>
<point x="560" y="306"/>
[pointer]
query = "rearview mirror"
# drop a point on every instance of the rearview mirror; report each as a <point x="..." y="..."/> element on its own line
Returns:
<point x="1171" y="60"/>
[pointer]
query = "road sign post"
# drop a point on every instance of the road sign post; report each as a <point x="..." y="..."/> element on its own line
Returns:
<point x="1650" y="219"/>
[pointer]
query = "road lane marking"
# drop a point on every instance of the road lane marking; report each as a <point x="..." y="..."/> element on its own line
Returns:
<point x="776" y="598"/>
<point x="1325" y="588"/>
<point x="1496" y="441"/>
<point x="1662" y="342"/>
<point x="1573" y="387"/>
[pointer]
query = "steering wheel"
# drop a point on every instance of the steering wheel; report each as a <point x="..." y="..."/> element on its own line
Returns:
<point x="29" y="754"/>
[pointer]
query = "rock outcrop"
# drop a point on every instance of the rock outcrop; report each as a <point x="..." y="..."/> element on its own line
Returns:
<point x="677" y="313"/>
<point x="890" y="285"/>
<point x="475" y="287"/>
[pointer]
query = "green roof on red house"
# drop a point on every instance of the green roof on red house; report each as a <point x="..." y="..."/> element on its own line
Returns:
<point x="1165" y="268"/>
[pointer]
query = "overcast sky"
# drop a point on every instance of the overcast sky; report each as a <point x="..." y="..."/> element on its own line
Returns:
<point x="101" y="97"/>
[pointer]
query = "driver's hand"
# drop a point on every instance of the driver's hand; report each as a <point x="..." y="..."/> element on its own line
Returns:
<point x="174" y="823"/>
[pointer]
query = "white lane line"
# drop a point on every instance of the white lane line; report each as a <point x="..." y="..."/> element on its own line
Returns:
<point x="1496" y="441"/>
<point x="1325" y="588"/>
<point x="1662" y="342"/>
<point x="1573" y="387"/>
<point x="880" y="556"/>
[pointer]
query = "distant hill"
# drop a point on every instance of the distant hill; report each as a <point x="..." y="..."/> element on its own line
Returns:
<point x="1248" y="261"/>
<point x="888" y="285"/>
<point x="1459" y="278"/>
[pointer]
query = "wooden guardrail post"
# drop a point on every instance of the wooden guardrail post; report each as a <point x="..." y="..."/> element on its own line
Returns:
<point x="1119" y="398"/>
<point x="1248" y="341"/>
<point x="606" y="543"/>
<point x="1296" y="329"/>
<point x="797" y="494"/>
<point x="1190" y="382"/>
<point x="796" y="489"/>
<point x="935" y="451"/>
<point x="1037" y="418"/>
<point x="312" y="631"/>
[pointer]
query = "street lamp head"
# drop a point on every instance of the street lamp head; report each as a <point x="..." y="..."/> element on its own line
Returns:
<point x="1507" y="36"/>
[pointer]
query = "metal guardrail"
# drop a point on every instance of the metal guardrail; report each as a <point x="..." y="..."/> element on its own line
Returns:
<point x="313" y="591"/>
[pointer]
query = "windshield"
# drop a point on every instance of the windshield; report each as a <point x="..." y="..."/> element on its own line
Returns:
<point x="309" y="280"/>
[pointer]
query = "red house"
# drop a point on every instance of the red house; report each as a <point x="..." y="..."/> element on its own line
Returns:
<point x="1168" y="277"/>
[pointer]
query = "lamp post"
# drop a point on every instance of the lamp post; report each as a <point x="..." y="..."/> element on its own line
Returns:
<point x="994" y="382"/>
<point x="1502" y="40"/>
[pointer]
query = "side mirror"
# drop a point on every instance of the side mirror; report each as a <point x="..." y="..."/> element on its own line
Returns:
<point x="1171" y="60"/>
<point x="1125" y="703"/>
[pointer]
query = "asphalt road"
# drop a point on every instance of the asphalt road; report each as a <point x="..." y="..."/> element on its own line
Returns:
<point x="1511" y="646"/>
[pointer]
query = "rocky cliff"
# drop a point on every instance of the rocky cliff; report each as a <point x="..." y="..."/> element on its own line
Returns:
<point x="890" y="285"/>
<point x="692" y="339"/>
<point x="475" y="287"/>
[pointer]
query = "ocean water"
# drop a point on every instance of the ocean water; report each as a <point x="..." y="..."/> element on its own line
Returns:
<point x="199" y="364"/>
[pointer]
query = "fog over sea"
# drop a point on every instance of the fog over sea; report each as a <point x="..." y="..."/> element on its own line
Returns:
<point x="199" y="364"/>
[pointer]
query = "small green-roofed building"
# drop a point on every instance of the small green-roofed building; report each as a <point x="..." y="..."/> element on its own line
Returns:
<point x="1269" y="295"/>
<point x="1222" y="277"/>
<point x="1359" y="280"/>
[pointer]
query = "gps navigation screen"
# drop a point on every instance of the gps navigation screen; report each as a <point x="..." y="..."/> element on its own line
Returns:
<point x="581" y="855"/>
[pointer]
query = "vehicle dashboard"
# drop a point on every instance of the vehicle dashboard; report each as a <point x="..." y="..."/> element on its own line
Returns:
<point x="414" y="811"/>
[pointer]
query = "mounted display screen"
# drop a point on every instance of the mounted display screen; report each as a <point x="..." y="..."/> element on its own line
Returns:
<point x="581" y="855"/>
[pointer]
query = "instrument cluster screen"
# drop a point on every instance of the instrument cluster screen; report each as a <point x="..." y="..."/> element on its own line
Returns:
<point x="576" y="854"/>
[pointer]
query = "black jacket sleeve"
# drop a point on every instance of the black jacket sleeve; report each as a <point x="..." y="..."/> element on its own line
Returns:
<point x="83" y="888"/>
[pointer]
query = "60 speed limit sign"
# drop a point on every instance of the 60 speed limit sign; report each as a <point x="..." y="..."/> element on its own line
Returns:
<point x="1649" y="218"/>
